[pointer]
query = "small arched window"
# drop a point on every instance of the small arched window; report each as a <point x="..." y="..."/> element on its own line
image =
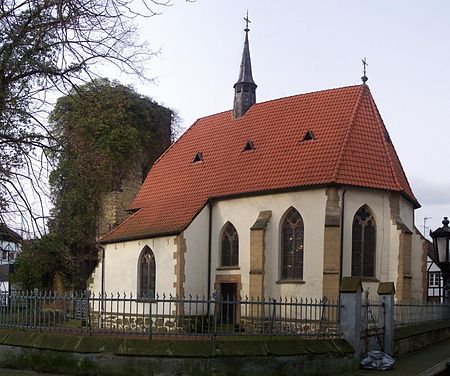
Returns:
<point x="292" y="231"/>
<point x="229" y="246"/>
<point x="147" y="273"/>
<point x="363" y="243"/>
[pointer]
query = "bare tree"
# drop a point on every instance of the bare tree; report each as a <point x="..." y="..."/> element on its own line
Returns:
<point x="48" y="45"/>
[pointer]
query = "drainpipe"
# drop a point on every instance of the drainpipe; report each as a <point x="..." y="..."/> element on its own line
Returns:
<point x="341" y="266"/>
<point x="102" y="284"/>
<point x="103" y="269"/>
<point x="209" y="249"/>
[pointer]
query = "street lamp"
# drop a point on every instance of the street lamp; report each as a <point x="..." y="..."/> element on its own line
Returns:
<point x="441" y="239"/>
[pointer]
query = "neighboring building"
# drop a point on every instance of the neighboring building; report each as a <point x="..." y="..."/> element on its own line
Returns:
<point x="280" y="198"/>
<point x="9" y="249"/>
<point x="435" y="290"/>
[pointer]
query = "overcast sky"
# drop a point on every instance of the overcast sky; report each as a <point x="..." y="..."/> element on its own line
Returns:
<point x="302" y="46"/>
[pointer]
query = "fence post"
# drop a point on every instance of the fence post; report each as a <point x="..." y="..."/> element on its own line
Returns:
<point x="150" y="321"/>
<point x="87" y="294"/>
<point x="350" y="311"/>
<point x="386" y="291"/>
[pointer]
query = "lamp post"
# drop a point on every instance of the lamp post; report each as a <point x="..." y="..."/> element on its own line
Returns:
<point x="441" y="237"/>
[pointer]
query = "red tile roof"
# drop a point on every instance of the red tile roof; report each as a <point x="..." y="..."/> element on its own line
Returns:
<point x="351" y="147"/>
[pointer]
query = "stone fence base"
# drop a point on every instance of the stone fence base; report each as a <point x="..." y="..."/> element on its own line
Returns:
<point x="412" y="338"/>
<point x="76" y="355"/>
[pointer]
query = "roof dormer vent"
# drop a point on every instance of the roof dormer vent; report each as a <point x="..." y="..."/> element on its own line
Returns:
<point x="198" y="158"/>
<point x="249" y="146"/>
<point x="309" y="136"/>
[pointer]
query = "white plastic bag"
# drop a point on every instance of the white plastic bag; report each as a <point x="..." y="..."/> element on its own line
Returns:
<point x="377" y="360"/>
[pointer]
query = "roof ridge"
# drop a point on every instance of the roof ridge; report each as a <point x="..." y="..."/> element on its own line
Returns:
<point x="309" y="93"/>
<point x="282" y="98"/>
<point x="377" y="112"/>
<point x="385" y="146"/>
<point x="347" y="136"/>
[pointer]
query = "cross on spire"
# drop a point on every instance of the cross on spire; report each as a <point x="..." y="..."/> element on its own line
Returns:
<point x="364" y="77"/>
<point x="247" y="21"/>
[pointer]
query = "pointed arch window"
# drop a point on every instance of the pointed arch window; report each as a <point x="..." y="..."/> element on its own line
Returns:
<point x="292" y="233"/>
<point x="147" y="274"/>
<point x="229" y="246"/>
<point x="363" y="243"/>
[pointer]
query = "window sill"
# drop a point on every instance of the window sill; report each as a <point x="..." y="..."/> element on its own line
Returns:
<point x="228" y="268"/>
<point x="369" y="279"/>
<point x="145" y="300"/>
<point x="290" y="281"/>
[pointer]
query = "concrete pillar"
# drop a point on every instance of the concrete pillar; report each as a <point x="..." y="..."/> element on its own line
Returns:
<point x="386" y="292"/>
<point x="350" y="312"/>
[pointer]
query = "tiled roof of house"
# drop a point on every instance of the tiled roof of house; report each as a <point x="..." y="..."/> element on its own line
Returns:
<point x="351" y="146"/>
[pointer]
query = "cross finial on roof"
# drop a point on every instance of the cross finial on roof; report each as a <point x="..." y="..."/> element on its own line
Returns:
<point x="364" y="77"/>
<point x="247" y="21"/>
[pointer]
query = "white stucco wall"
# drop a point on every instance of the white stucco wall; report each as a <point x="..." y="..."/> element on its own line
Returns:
<point x="407" y="213"/>
<point x="196" y="256"/>
<point x="387" y="238"/>
<point x="243" y="212"/>
<point x="387" y="235"/>
<point x="121" y="266"/>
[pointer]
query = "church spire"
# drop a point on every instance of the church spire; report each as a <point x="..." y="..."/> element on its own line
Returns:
<point x="245" y="87"/>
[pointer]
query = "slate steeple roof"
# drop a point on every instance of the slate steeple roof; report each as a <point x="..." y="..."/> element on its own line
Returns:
<point x="245" y="87"/>
<point x="245" y="71"/>
<point x="351" y="147"/>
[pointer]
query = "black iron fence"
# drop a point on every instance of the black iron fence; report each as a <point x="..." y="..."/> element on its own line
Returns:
<point x="166" y="315"/>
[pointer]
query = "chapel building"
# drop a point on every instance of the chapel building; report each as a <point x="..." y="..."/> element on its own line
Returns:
<point x="279" y="198"/>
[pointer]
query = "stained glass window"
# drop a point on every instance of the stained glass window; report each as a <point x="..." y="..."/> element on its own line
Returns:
<point x="363" y="244"/>
<point x="147" y="269"/>
<point x="292" y="246"/>
<point x="230" y="246"/>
